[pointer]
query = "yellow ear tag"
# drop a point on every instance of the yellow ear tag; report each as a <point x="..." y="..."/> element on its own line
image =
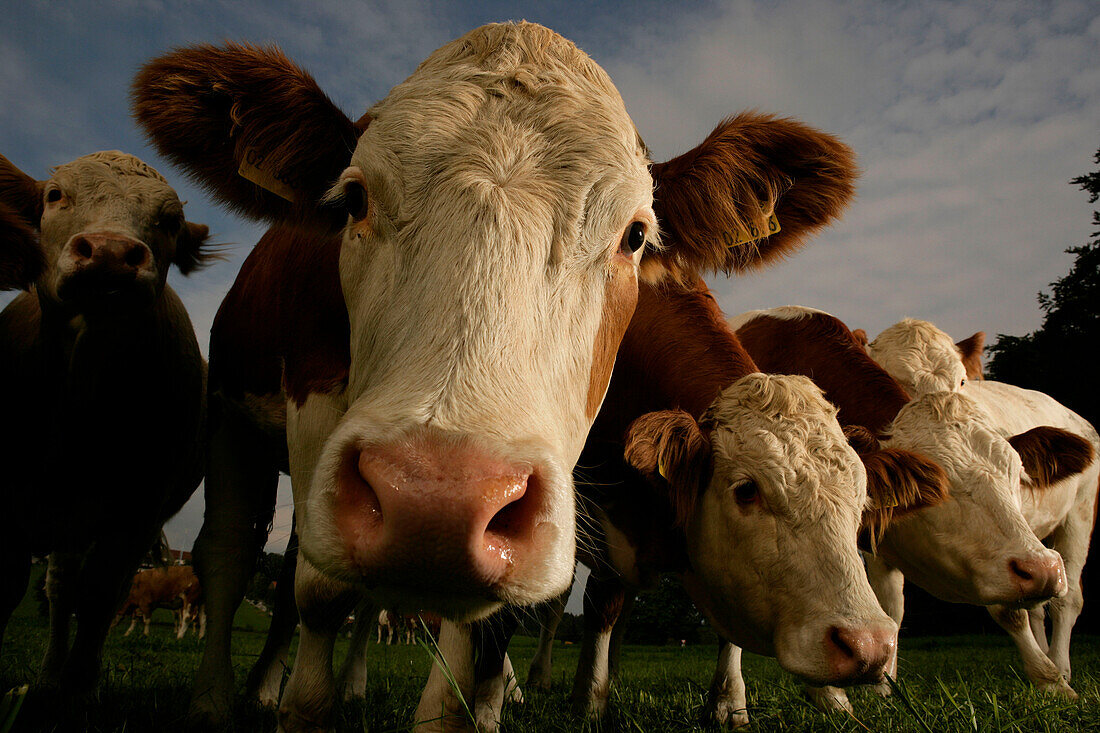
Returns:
<point x="661" y="468"/>
<point x="736" y="237"/>
<point x="251" y="169"/>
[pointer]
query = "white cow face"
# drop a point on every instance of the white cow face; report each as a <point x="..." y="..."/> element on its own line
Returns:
<point x="921" y="357"/>
<point x="976" y="547"/>
<point x="771" y="504"/>
<point x="110" y="227"/>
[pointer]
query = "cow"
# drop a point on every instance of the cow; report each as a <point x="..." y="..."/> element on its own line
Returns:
<point x="1057" y="497"/>
<point x="976" y="548"/>
<point x="100" y="369"/>
<point x="924" y="359"/>
<point x="741" y="483"/>
<point x="175" y="587"/>
<point x="425" y="337"/>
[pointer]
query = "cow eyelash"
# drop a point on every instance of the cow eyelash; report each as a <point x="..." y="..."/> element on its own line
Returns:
<point x="746" y="493"/>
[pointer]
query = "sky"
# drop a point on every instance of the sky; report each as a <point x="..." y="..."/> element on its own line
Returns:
<point x="968" y="120"/>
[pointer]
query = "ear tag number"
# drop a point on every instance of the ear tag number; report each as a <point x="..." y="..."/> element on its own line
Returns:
<point x="736" y="237"/>
<point x="251" y="169"/>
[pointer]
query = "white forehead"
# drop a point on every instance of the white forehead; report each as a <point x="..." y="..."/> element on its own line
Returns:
<point x="110" y="172"/>
<point x="920" y="356"/>
<point x="780" y="431"/>
<point x="957" y="433"/>
<point x="512" y="116"/>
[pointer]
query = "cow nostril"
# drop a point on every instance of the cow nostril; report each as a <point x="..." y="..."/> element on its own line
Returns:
<point x="836" y="638"/>
<point x="83" y="248"/>
<point x="135" y="256"/>
<point x="1019" y="571"/>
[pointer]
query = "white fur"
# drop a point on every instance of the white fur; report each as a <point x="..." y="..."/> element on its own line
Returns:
<point x="920" y="356"/>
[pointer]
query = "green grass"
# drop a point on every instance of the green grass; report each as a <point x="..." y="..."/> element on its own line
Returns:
<point x="946" y="684"/>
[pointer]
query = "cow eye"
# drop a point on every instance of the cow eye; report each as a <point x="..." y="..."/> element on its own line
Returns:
<point x="355" y="200"/>
<point x="53" y="195"/>
<point x="170" y="222"/>
<point x="633" y="239"/>
<point x="746" y="493"/>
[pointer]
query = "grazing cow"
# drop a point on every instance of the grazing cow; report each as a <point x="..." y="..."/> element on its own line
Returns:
<point x="100" y="367"/>
<point x="175" y="587"/>
<point x="1057" y="498"/>
<point x="740" y="482"/>
<point x="976" y="548"/>
<point x="432" y="335"/>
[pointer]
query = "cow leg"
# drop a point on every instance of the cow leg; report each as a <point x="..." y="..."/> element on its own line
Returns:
<point x="148" y="619"/>
<point x="15" y="570"/>
<point x="512" y="691"/>
<point x="495" y="680"/>
<point x="1071" y="540"/>
<point x="540" y="675"/>
<point x="618" y="632"/>
<point x="265" y="679"/>
<point x="323" y="605"/>
<point x="62" y="589"/>
<point x="352" y="679"/>
<point x="441" y="710"/>
<point x="726" y="702"/>
<point x="241" y="479"/>
<point x="1036" y="618"/>
<point x="603" y="599"/>
<point x="1038" y="667"/>
<point x="888" y="583"/>
<point x="133" y="623"/>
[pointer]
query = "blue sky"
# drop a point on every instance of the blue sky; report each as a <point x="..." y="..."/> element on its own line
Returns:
<point x="968" y="119"/>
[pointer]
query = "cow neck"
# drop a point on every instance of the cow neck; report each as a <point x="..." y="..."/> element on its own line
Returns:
<point x="284" y="326"/>
<point x="821" y="347"/>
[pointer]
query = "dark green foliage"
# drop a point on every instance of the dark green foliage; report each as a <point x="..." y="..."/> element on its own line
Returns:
<point x="664" y="615"/>
<point x="262" y="587"/>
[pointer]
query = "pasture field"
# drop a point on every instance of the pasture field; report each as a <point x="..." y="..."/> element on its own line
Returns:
<point x="949" y="684"/>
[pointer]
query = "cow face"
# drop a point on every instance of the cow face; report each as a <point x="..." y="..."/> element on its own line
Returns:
<point x="110" y="227"/>
<point x="977" y="547"/>
<point x="771" y="502"/>
<point x="493" y="211"/>
<point x="920" y="356"/>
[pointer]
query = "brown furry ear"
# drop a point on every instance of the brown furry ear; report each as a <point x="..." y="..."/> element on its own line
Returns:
<point x="20" y="192"/>
<point x="250" y="126"/>
<point x="1051" y="454"/>
<point x="861" y="338"/>
<point x="751" y="166"/>
<point x="671" y="451"/>
<point x="970" y="349"/>
<point x="898" y="482"/>
<point x="21" y="259"/>
<point x="193" y="250"/>
<point x="861" y="439"/>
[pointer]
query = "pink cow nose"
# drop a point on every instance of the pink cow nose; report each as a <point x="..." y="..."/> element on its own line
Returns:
<point x="858" y="655"/>
<point x="437" y="515"/>
<point x="114" y="253"/>
<point x="1038" y="577"/>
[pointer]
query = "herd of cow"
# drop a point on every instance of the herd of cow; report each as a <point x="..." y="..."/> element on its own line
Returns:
<point x="478" y="340"/>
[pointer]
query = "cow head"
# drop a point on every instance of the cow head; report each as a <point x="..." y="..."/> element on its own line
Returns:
<point x="496" y="211"/>
<point x="978" y="547"/>
<point x="110" y="227"/>
<point x="920" y="356"/>
<point x="770" y="495"/>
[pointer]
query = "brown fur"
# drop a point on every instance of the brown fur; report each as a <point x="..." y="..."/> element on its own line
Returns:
<point x="21" y="259"/>
<point x="174" y="586"/>
<point x="899" y="482"/>
<point x="1051" y="454"/>
<point x="861" y="337"/>
<point x="861" y="439"/>
<point x="749" y="166"/>
<point x="20" y="192"/>
<point x="970" y="349"/>
<point x="619" y="303"/>
<point x="821" y="347"/>
<point x="669" y="447"/>
<point x="205" y="107"/>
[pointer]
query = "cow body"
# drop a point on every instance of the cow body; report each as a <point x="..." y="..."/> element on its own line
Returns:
<point x="101" y="366"/>
<point x="175" y="587"/>
<point x="975" y="548"/>
<point x="444" y="335"/>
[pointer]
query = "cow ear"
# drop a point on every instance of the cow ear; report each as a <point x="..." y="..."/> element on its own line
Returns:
<point x="861" y="439"/>
<point x="670" y="450"/>
<point x="861" y="338"/>
<point x="970" y="349"/>
<point x="20" y="193"/>
<point x="193" y="248"/>
<point x="715" y="203"/>
<point x="898" y="482"/>
<point x="250" y="126"/>
<point x="21" y="258"/>
<point x="1051" y="454"/>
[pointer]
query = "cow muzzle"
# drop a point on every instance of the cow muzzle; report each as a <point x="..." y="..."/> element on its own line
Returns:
<point x="858" y="655"/>
<point x="105" y="267"/>
<point x="1038" y="577"/>
<point x="434" y="517"/>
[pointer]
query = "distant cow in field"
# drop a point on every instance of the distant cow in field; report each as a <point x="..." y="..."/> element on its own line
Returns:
<point x="1057" y="490"/>
<point x="101" y="372"/>
<point x="175" y="587"/>
<point x="425" y="345"/>
<point x="976" y="548"/>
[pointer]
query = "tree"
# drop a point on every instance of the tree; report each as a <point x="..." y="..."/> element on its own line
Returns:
<point x="663" y="614"/>
<point x="1056" y="358"/>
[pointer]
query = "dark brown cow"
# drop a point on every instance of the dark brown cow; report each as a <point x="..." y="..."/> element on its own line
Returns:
<point x="100" y="369"/>
<point x="175" y="587"/>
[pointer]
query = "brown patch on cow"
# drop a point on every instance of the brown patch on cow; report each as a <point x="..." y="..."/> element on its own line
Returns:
<point x="750" y="166"/>
<point x="821" y="347"/>
<point x="1051" y="454"/>
<point x="211" y="109"/>
<point x="620" y="299"/>
<point x="899" y="482"/>
<point x="672" y="452"/>
<point x="970" y="349"/>
<point x="861" y="337"/>
<point x="283" y="324"/>
<point x="861" y="439"/>
<point x="603" y="601"/>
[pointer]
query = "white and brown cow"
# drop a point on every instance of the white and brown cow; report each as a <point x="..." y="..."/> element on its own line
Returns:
<point x="438" y="326"/>
<point x="1057" y="492"/>
<point x="924" y="359"/>
<point x="977" y="547"/>
<point x="101" y="371"/>
<point x="175" y="587"/>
